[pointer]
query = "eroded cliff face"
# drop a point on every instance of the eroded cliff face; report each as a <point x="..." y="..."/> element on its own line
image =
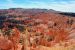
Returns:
<point x="35" y="29"/>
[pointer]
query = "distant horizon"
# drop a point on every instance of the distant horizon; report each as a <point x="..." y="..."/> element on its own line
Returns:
<point x="37" y="8"/>
<point x="58" y="5"/>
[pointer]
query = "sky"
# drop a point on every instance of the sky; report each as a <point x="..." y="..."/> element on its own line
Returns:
<point x="58" y="5"/>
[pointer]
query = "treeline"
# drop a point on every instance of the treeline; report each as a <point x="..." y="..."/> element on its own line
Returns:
<point x="68" y="14"/>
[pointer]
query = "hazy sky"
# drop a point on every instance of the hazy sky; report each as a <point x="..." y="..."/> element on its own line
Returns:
<point x="59" y="5"/>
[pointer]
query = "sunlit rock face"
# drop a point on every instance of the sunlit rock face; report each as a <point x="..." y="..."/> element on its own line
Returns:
<point x="5" y="44"/>
<point x="36" y="29"/>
